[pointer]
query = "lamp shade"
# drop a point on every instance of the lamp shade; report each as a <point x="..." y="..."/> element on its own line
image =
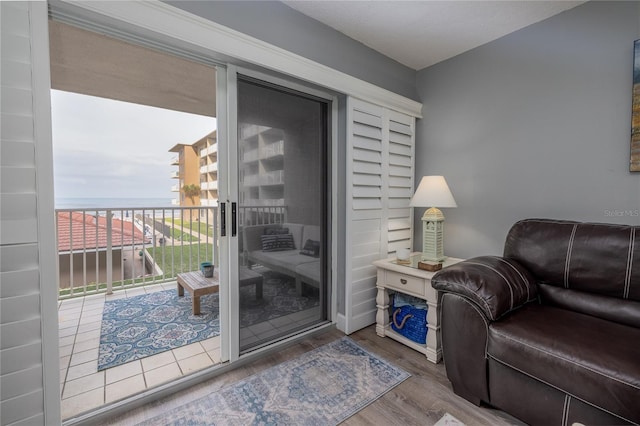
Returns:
<point x="433" y="191"/>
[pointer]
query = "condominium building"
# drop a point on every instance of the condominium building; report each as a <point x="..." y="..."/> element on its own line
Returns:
<point x="197" y="165"/>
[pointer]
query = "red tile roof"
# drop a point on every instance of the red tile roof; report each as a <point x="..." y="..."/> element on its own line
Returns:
<point x="75" y="224"/>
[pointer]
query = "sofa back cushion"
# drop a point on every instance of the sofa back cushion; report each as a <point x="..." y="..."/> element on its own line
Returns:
<point x="296" y="230"/>
<point x="591" y="257"/>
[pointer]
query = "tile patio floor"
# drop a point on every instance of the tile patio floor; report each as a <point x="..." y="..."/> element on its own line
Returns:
<point x="83" y="387"/>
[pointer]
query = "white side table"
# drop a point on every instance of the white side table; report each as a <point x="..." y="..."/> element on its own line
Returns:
<point x="408" y="279"/>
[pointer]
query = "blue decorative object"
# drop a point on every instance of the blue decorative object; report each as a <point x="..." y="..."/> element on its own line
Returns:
<point x="321" y="387"/>
<point x="207" y="269"/>
<point x="409" y="317"/>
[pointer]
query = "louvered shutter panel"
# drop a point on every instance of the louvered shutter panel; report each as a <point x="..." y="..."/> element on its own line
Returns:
<point x="24" y="392"/>
<point x="379" y="187"/>
<point x="400" y="181"/>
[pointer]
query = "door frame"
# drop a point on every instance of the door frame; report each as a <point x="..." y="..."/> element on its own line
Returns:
<point x="229" y="157"/>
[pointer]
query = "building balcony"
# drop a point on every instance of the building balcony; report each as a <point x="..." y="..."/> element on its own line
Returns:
<point x="209" y="202"/>
<point x="175" y="188"/>
<point x="251" y="155"/>
<point x="175" y="174"/>
<point x="175" y="161"/>
<point x="275" y="149"/>
<point x="213" y="149"/>
<point x="209" y="186"/>
<point x="210" y="168"/>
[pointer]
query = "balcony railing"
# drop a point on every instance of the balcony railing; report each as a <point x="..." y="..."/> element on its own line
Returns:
<point x="101" y="250"/>
<point x="210" y="150"/>
<point x="213" y="167"/>
<point x="207" y="186"/>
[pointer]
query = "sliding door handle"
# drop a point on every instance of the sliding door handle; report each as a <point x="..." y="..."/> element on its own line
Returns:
<point x="234" y="219"/>
<point x="223" y="219"/>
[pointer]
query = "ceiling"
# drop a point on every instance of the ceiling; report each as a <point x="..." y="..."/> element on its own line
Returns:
<point x="422" y="33"/>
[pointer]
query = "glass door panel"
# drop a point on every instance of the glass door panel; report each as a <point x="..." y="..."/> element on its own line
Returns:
<point x="282" y="212"/>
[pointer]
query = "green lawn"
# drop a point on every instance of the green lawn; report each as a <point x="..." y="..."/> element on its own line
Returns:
<point x="199" y="227"/>
<point x="184" y="258"/>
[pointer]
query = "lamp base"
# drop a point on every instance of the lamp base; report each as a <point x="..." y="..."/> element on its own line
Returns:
<point x="438" y="259"/>
<point x="433" y="235"/>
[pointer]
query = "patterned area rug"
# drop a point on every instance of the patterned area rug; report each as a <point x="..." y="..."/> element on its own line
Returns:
<point x="141" y="326"/>
<point x="146" y="325"/>
<point x="322" y="387"/>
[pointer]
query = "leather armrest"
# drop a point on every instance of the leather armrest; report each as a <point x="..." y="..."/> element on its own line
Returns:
<point x="497" y="285"/>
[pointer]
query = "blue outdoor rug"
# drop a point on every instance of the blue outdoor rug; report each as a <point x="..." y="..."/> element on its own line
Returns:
<point x="148" y="324"/>
<point x="145" y="325"/>
<point x="322" y="387"/>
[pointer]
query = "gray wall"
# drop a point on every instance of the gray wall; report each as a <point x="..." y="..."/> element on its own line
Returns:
<point x="535" y="124"/>
<point x="278" y="24"/>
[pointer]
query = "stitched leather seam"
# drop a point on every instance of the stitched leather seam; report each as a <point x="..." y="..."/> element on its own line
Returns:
<point x="481" y="299"/>
<point x="567" y="360"/>
<point x="627" y="278"/>
<point x="524" y="280"/>
<point x="568" y="258"/>
<point x="557" y="388"/>
<point x="480" y="314"/>
<point x="565" y="409"/>
<point x="503" y="277"/>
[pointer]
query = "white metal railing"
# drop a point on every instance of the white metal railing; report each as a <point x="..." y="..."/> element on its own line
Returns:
<point x="175" y="174"/>
<point x="175" y="202"/>
<point x="175" y="161"/>
<point x="101" y="250"/>
<point x="274" y="177"/>
<point x="175" y="188"/>
<point x="261" y="215"/>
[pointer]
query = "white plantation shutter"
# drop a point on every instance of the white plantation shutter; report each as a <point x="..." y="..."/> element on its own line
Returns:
<point x="379" y="187"/>
<point x="400" y="181"/>
<point x="29" y="376"/>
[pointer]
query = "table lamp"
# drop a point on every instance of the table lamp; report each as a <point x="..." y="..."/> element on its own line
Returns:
<point x="433" y="192"/>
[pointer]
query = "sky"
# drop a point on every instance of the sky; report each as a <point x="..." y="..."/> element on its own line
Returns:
<point x="110" y="149"/>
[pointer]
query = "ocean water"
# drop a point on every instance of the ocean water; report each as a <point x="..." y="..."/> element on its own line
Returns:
<point x="103" y="203"/>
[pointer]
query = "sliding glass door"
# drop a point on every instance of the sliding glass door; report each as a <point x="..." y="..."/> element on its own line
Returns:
<point x="281" y="212"/>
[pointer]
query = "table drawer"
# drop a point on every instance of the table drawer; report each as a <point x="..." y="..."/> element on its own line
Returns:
<point x="404" y="283"/>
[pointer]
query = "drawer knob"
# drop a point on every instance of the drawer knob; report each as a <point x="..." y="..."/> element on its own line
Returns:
<point x="403" y="281"/>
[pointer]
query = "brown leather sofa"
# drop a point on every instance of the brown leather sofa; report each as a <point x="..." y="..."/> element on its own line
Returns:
<point x="550" y="332"/>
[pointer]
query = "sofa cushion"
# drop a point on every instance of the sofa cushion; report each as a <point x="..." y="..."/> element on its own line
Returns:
<point x="588" y="357"/>
<point x="609" y="308"/>
<point x="276" y="231"/>
<point x="277" y="242"/>
<point x="592" y="257"/>
<point x="311" y="248"/>
<point x="296" y="230"/>
<point x="282" y="261"/>
<point x="309" y="272"/>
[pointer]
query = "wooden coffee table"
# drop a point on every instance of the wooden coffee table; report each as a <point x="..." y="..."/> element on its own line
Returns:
<point x="198" y="285"/>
